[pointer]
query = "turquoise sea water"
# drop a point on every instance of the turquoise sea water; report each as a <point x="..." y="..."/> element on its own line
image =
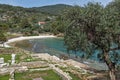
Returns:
<point x="53" y="46"/>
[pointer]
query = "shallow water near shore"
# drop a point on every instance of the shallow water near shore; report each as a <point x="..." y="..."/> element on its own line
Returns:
<point x="52" y="46"/>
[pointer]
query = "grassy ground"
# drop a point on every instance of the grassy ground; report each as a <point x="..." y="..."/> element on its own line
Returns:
<point x="74" y="77"/>
<point x="4" y="77"/>
<point x="46" y="75"/>
<point x="6" y="57"/>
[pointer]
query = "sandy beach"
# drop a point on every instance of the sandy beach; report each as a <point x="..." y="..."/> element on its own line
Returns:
<point x="6" y="44"/>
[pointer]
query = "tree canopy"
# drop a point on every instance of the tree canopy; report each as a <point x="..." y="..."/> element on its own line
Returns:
<point x="94" y="27"/>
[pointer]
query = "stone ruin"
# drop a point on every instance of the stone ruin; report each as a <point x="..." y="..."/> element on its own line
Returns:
<point x="13" y="59"/>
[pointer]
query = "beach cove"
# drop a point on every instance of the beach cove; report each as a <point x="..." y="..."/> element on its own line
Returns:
<point x="95" y="64"/>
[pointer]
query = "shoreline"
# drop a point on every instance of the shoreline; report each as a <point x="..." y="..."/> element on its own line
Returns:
<point x="72" y="62"/>
<point x="6" y="44"/>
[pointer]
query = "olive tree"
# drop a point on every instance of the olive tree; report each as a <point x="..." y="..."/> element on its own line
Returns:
<point x="95" y="28"/>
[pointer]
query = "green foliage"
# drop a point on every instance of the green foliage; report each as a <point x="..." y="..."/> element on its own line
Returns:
<point x="6" y="57"/>
<point x="94" y="27"/>
<point x="58" y="26"/>
<point x="3" y="29"/>
<point x="52" y="76"/>
<point x="74" y="77"/>
<point x="17" y="17"/>
<point x="25" y="20"/>
<point x="82" y="24"/>
<point x="2" y="38"/>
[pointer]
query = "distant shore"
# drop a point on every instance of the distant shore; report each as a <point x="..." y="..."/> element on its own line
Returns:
<point x="6" y="44"/>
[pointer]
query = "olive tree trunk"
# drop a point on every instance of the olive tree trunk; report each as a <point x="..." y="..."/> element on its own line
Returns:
<point x="111" y="66"/>
<point x="112" y="74"/>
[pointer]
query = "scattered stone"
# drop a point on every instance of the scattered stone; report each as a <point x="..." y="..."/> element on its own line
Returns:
<point x="1" y="60"/>
<point x="38" y="79"/>
<point x="56" y="58"/>
<point x="76" y="64"/>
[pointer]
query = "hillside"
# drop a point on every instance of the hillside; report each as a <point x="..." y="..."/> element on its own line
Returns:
<point x="25" y="20"/>
<point x="52" y="9"/>
<point x="9" y="12"/>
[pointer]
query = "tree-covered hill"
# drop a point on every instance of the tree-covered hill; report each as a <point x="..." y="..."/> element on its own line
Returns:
<point x="25" y="20"/>
<point x="8" y="13"/>
<point x="52" y="9"/>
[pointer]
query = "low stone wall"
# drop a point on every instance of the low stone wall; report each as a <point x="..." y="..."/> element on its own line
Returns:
<point x="35" y="64"/>
<point x="17" y="69"/>
<point x="41" y="69"/>
<point x="46" y="56"/>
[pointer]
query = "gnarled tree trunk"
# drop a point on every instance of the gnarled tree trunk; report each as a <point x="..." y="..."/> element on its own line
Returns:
<point x="112" y="74"/>
<point x="111" y="66"/>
